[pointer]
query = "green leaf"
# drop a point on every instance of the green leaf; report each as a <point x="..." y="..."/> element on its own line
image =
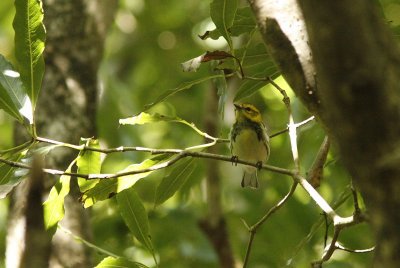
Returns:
<point x="11" y="176"/>
<point x="13" y="98"/>
<point x="174" y="181"/>
<point x="244" y="22"/>
<point x="257" y="62"/>
<point x="29" y="44"/>
<point x="88" y="162"/>
<point x="145" y="118"/>
<point x="107" y="188"/>
<point x="186" y="85"/>
<point x="112" y="262"/>
<point x="134" y="214"/>
<point x="222" y="13"/>
<point x="54" y="205"/>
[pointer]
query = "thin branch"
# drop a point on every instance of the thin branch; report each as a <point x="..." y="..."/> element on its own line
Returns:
<point x="341" y="247"/>
<point x="180" y="154"/>
<point x="253" y="229"/>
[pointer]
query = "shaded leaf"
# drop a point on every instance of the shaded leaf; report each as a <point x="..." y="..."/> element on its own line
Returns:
<point x="134" y="214"/>
<point x="88" y="162"/>
<point x="112" y="262"/>
<point x="244" y="22"/>
<point x="9" y="176"/>
<point x="174" y="181"/>
<point x="107" y="188"/>
<point x="12" y="92"/>
<point x="222" y="13"/>
<point x="256" y="61"/>
<point x="54" y="205"/>
<point x="29" y="44"/>
<point x="169" y="93"/>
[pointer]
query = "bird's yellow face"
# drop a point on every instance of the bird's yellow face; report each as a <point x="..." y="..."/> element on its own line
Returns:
<point x="246" y="111"/>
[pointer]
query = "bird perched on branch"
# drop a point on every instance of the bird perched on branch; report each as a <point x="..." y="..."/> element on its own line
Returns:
<point x="249" y="141"/>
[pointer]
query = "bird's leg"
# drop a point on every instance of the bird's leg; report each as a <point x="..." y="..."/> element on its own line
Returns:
<point x="234" y="160"/>
<point x="259" y="165"/>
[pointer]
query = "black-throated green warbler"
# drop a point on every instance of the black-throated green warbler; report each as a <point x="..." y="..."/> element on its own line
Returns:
<point x="249" y="141"/>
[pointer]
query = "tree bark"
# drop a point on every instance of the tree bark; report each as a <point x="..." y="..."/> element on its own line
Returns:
<point x="66" y="111"/>
<point x="357" y="64"/>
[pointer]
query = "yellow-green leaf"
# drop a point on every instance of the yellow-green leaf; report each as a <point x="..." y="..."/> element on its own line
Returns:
<point x="88" y="162"/>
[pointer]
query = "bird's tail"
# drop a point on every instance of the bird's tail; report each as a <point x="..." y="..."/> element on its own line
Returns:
<point x="250" y="179"/>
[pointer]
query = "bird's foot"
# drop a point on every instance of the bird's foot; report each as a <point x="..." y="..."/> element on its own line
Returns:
<point x="234" y="160"/>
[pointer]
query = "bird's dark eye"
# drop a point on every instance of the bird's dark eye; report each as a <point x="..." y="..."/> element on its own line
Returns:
<point x="248" y="109"/>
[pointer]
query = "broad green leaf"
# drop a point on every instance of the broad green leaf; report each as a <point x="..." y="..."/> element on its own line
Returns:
<point x="186" y="85"/>
<point x="112" y="262"/>
<point x="13" y="98"/>
<point x="11" y="176"/>
<point x="107" y="188"/>
<point x="54" y="205"/>
<point x="222" y="13"/>
<point x="88" y="162"/>
<point x="134" y="214"/>
<point x="29" y="44"/>
<point x="174" y="181"/>
<point x="257" y="63"/>
<point x="244" y="22"/>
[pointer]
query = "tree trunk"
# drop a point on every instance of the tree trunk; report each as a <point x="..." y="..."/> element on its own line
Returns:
<point x="357" y="64"/>
<point x="66" y="109"/>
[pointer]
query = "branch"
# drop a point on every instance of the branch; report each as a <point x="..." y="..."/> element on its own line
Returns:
<point x="253" y="229"/>
<point x="180" y="155"/>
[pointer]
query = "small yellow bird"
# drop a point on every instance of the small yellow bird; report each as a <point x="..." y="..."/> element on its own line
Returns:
<point x="249" y="141"/>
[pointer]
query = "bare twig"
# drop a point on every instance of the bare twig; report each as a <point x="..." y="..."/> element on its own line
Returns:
<point x="253" y="229"/>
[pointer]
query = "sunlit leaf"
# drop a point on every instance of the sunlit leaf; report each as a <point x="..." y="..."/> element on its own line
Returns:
<point x="12" y="92"/>
<point x="169" y="93"/>
<point x="222" y="13"/>
<point x="54" y="205"/>
<point x="88" y="162"/>
<point x="112" y="262"/>
<point x="107" y="188"/>
<point x="174" y="181"/>
<point x="29" y="44"/>
<point x="134" y="214"/>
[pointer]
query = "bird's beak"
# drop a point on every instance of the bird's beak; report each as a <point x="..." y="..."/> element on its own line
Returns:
<point x="237" y="106"/>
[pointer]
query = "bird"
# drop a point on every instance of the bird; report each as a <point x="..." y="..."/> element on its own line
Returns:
<point x="249" y="141"/>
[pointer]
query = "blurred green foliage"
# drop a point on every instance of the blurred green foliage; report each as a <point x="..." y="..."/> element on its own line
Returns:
<point x="144" y="49"/>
